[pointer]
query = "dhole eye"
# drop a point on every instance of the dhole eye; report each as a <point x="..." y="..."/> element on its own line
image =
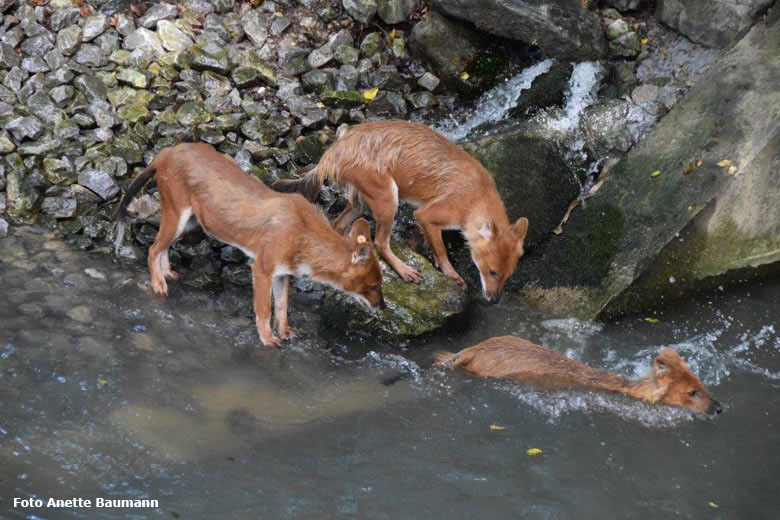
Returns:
<point x="692" y="393"/>
<point x="493" y="273"/>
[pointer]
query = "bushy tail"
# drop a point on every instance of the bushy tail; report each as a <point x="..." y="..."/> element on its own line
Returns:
<point x="121" y="214"/>
<point x="452" y="360"/>
<point x="308" y="184"/>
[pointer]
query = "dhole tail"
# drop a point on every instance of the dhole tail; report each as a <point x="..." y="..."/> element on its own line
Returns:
<point x="131" y="192"/>
<point x="307" y="185"/>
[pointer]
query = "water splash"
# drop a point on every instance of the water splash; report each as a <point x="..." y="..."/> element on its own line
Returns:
<point x="495" y="104"/>
<point x="580" y="94"/>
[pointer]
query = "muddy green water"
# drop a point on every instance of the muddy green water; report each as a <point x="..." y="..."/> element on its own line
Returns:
<point x="106" y="391"/>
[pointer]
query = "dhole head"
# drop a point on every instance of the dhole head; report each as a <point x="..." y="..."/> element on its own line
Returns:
<point x="496" y="255"/>
<point x="680" y="387"/>
<point x="363" y="277"/>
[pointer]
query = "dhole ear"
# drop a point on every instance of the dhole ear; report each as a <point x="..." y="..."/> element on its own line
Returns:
<point x="486" y="229"/>
<point x="361" y="235"/>
<point x="660" y="367"/>
<point x="520" y="230"/>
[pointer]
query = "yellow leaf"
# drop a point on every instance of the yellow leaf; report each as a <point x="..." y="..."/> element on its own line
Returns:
<point x="464" y="75"/>
<point x="643" y="41"/>
<point x="320" y="105"/>
<point x="535" y="43"/>
<point x="533" y="452"/>
<point x="102" y="382"/>
<point x="497" y="427"/>
<point x="655" y="174"/>
<point x="652" y="320"/>
<point x="371" y="93"/>
<point x="713" y="505"/>
<point x="732" y="170"/>
<point x="724" y="163"/>
<point x="392" y="34"/>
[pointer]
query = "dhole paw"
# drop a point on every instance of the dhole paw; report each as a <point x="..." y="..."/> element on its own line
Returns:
<point x="272" y="342"/>
<point x="160" y="288"/>
<point x="458" y="280"/>
<point x="289" y="333"/>
<point x="411" y="274"/>
<point x="172" y="275"/>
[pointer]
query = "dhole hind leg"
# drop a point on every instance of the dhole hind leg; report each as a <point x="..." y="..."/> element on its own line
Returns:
<point x="384" y="207"/>
<point x="427" y="219"/>
<point x="262" y="304"/>
<point x="351" y="212"/>
<point x="281" y="291"/>
<point x="172" y="224"/>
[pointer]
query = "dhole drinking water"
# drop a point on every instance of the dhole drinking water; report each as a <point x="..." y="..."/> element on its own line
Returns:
<point x="670" y="381"/>
<point x="383" y="162"/>
<point x="282" y="233"/>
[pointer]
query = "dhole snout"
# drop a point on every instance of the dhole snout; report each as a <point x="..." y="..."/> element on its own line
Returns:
<point x="670" y="380"/>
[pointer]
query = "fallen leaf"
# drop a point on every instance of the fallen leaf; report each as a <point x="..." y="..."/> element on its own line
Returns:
<point x="497" y="427"/>
<point x="464" y="75"/>
<point x="691" y="166"/>
<point x="652" y="320"/>
<point x="655" y="174"/>
<point x="724" y="163"/>
<point x="732" y="170"/>
<point x="320" y="104"/>
<point x="102" y="382"/>
<point x="371" y="93"/>
<point x="392" y="34"/>
<point x="713" y="505"/>
<point x="644" y="41"/>
<point x="663" y="53"/>
<point x="533" y="452"/>
<point x="692" y="206"/>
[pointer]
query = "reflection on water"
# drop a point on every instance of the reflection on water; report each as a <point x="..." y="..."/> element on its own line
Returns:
<point x="107" y="391"/>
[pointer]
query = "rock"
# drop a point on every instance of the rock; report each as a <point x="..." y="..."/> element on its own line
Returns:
<point x="422" y="99"/>
<point x="35" y="64"/>
<point x="546" y="90"/>
<point x="43" y="146"/>
<point x="62" y="18"/>
<point x="387" y="103"/>
<point x="25" y="127"/>
<point x="172" y="38"/>
<point x="100" y="182"/>
<point x="104" y="114"/>
<point x="371" y="44"/>
<point x="428" y="81"/>
<point x="614" y="126"/>
<point x="69" y="39"/>
<point x="279" y="24"/>
<point x="6" y="146"/>
<point x="193" y="113"/>
<point x="134" y="112"/>
<point x="411" y="310"/>
<point x="3" y="228"/>
<point x="157" y="12"/>
<point x="254" y="25"/>
<point x="340" y="99"/>
<point x="317" y="81"/>
<point x="91" y="87"/>
<point x="37" y="45"/>
<point x="132" y="77"/>
<point x="265" y="131"/>
<point x="531" y="174"/>
<point x="452" y="48"/>
<point x="90" y="56"/>
<point x="8" y="58"/>
<point x="396" y="11"/>
<point x="563" y="29"/>
<point x="346" y="54"/>
<point x="209" y="56"/>
<point x="717" y="23"/>
<point x="616" y="238"/>
<point x="21" y="195"/>
<point x="59" y="207"/>
<point x="81" y="313"/>
<point x="617" y="28"/>
<point x="145" y="40"/>
<point x="625" y="5"/>
<point x="625" y="46"/>
<point x="360" y="10"/>
<point x="94" y="26"/>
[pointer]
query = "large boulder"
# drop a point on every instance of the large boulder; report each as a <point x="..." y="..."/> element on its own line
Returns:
<point x="562" y="28"/>
<point x="715" y="23"/>
<point x="411" y="310"/>
<point x="718" y="146"/>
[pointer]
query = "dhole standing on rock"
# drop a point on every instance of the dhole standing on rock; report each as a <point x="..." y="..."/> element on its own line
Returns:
<point x="387" y="161"/>
<point x="283" y="234"/>
<point x="669" y="382"/>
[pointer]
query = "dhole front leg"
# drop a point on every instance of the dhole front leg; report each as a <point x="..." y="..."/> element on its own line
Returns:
<point x="433" y="236"/>
<point x="159" y="265"/>
<point x="262" y="301"/>
<point x="281" y="290"/>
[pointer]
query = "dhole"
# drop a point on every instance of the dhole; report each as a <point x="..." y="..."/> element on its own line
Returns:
<point x="383" y="162"/>
<point x="282" y="233"/>
<point x="669" y="382"/>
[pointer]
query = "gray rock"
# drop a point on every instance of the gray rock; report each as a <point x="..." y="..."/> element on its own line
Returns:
<point x="99" y="182"/>
<point x="8" y="58"/>
<point x="3" y="228"/>
<point x="59" y="207"/>
<point x="716" y="23"/>
<point x="562" y="28"/>
<point x="346" y="54"/>
<point x="132" y="77"/>
<point x="91" y="87"/>
<point x="37" y="45"/>
<point x="172" y="38"/>
<point x="361" y="10"/>
<point x="626" y="45"/>
<point x="617" y="28"/>
<point x="90" y="56"/>
<point x="279" y="25"/>
<point x="156" y="13"/>
<point x="69" y="39"/>
<point x="317" y="81"/>
<point x="41" y="106"/>
<point x="94" y="26"/>
<point x="396" y="11"/>
<point x="625" y="5"/>
<point x="124" y="25"/>
<point x="144" y="39"/>
<point x="371" y="44"/>
<point x="422" y="99"/>
<point x="254" y="25"/>
<point x="614" y="126"/>
<point x="428" y="81"/>
<point x="387" y="103"/>
<point x="265" y="131"/>
<point x="209" y="56"/>
<point x="55" y="60"/>
<point x="35" y="64"/>
<point x="25" y="127"/>
<point x="104" y="114"/>
<point x="62" y="18"/>
<point x="46" y="145"/>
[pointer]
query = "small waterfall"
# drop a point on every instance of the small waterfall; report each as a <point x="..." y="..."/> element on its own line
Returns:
<point x="580" y="94"/>
<point x="494" y="104"/>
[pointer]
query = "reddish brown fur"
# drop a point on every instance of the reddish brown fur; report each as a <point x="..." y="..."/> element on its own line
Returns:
<point x="451" y="189"/>
<point x="669" y="382"/>
<point x="284" y="233"/>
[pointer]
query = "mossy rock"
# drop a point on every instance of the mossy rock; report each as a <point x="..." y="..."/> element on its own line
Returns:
<point x="412" y="310"/>
<point x="342" y="99"/>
